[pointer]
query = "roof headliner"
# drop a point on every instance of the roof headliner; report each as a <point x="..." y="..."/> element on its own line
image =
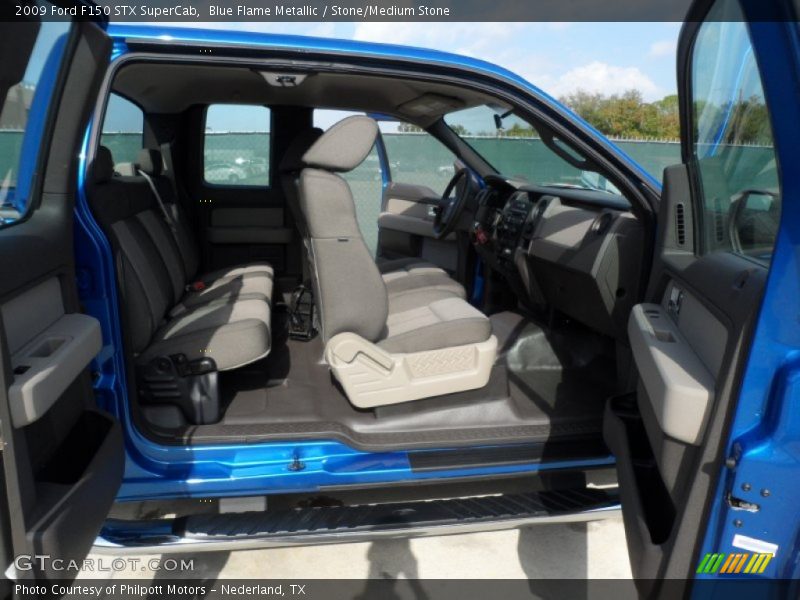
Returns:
<point x="171" y="88"/>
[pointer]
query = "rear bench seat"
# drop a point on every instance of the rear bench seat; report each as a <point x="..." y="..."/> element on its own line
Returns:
<point x="170" y="309"/>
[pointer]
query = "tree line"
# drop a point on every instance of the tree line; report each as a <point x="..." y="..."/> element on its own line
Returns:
<point x="628" y="116"/>
<point x="625" y="115"/>
<point x="744" y="120"/>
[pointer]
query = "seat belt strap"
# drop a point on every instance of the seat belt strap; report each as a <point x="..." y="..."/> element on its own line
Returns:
<point x="164" y="211"/>
<point x="166" y="154"/>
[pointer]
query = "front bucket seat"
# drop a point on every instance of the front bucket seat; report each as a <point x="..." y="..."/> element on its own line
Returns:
<point x="383" y="349"/>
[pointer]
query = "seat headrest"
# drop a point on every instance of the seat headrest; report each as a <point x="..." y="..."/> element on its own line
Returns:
<point x="102" y="168"/>
<point x="344" y="146"/>
<point x="149" y="161"/>
<point x="293" y="157"/>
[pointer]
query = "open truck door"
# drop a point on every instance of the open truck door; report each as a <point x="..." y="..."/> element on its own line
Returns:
<point x="697" y="456"/>
<point x="63" y="458"/>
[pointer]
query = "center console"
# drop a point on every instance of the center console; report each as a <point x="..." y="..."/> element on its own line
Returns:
<point x="574" y="250"/>
<point x="515" y="221"/>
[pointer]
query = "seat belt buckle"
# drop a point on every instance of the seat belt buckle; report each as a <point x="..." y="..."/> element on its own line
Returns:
<point x="301" y="314"/>
<point x="196" y="286"/>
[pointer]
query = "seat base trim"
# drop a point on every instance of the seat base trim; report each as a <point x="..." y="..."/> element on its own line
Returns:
<point x="372" y="377"/>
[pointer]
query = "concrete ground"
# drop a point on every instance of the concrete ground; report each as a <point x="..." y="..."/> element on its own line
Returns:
<point x="568" y="551"/>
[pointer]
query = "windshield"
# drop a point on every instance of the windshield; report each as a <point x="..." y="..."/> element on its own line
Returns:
<point x="514" y="147"/>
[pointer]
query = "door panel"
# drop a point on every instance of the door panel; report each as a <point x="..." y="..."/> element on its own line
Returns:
<point x="405" y="226"/>
<point x="49" y="349"/>
<point x="690" y="337"/>
<point x="63" y="458"/>
<point x="679" y="386"/>
<point x="418" y="167"/>
<point x="683" y="344"/>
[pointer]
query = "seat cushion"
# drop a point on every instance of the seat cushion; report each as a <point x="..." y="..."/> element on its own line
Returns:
<point x="405" y="274"/>
<point x="248" y="270"/>
<point x="232" y="333"/>
<point x="432" y="320"/>
<point x="244" y="282"/>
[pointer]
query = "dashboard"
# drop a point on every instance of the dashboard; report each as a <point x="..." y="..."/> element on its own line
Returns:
<point x="574" y="250"/>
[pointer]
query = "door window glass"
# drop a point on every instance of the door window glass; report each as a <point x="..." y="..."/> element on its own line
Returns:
<point x="732" y="144"/>
<point x="23" y="117"/>
<point x="416" y="157"/>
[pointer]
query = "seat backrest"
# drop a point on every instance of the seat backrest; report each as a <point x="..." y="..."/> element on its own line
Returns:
<point x="349" y="290"/>
<point x="151" y="163"/>
<point x="290" y="167"/>
<point x="149" y="268"/>
<point x="289" y="170"/>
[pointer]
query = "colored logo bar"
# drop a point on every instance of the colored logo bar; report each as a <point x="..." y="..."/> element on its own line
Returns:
<point x="734" y="563"/>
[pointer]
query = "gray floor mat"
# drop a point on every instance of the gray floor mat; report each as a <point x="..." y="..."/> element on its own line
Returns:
<point x="545" y="386"/>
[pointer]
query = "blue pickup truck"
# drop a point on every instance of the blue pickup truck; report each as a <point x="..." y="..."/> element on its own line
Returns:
<point x="229" y="283"/>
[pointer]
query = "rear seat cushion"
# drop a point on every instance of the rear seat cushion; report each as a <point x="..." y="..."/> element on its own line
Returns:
<point x="253" y="270"/>
<point x="430" y="320"/>
<point x="232" y="333"/>
<point x="246" y="282"/>
<point x="228" y="320"/>
<point x="404" y="274"/>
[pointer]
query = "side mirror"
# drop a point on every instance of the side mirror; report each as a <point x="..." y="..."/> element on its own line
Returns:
<point x="755" y="217"/>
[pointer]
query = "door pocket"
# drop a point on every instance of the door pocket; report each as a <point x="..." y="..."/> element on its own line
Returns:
<point x="75" y="487"/>
<point x="649" y="510"/>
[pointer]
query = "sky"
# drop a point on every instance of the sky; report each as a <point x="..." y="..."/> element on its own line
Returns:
<point x="559" y="58"/>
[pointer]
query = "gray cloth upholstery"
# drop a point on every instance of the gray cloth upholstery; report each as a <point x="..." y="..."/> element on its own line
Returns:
<point x="327" y="204"/>
<point x="233" y="333"/>
<point x="344" y="146"/>
<point x="227" y="318"/>
<point x="349" y="289"/>
<point x="399" y="275"/>
<point x="426" y="322"/>
<point x="240" y="285"/>
<point x="352" y="293"/>
<point x="410" y="274"/>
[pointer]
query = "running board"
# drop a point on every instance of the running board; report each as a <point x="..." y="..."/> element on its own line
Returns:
<point x="339" y="524"/>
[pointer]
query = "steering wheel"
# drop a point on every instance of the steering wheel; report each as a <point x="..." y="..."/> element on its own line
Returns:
<point x="449" y="210"/>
